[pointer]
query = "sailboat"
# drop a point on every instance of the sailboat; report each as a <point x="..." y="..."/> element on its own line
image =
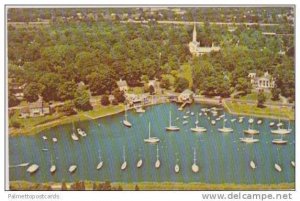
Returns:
<point x="54" y="139"/>
<point x="277" y="167"/>
<point x="44" y="137"/>
<point x="293" y="163"/>
<point x="279" y="140"/>
<point x="32" y="168"/>
<point x="282" y="131"/>
<point x="81" y="132"/>
<point x="225" y="129"/>
<point x="157" y="162"/>
<point x="250" y="121"/>
<point x="73" y="135"/>
<point x="272" y="124"/>
<point x="198" y="129"/>
<point x="195" y="167"/>
<point x="125" y="121"/>
<point x="170" y="127"/>
<point x="124" y="164"/>
<point x="53" y="167"/>
<point x="177" y="168"/>
<point x="259" y="122"/>
<point x="100" y="164"/>
<point x="252" y="165"/>
<point x="213" y="122"/>
<point x="151" y="139"/>
<point x="249" y="139"/>
<point x="140" y="162"/>
<point x="251" y="131"/>
<point x="72" y="168"/>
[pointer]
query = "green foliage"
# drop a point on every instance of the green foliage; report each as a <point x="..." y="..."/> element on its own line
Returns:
<point x="12" y="100"/>
<point x="151" y="90"/>
<point x="181" y="84"/>
<point x="105" y="100"/>
<point x="119" y="95"/>
<point x="82" y="100"/>
<point x="261" y="99"/>
<point x="15" y="124"/>
<point x="66" y="90"/>
<point x="244" y="85"/>
<point x="115" y="102"/>
<point x="32" y="91"/>
<point x="68" y="108"/>
<point x="165" y="83"/>
<point x="275" y="93"/>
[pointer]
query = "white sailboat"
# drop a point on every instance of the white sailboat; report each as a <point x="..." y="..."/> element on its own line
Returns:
<point x="277" y="167"/>
<point x="279" y="140"/>
<point x="251" y="131"/>
<point x="213" y="122"/>
<point x="192" y="113"/>
<point x="151" y="139"/>
<point x="100" y="164"/>
<point x="157" y="162"/>
<point x="259" y="122"/>
<point x="72" y="168"/>
<point x="44" y="137"/>
<point x="140" y="162"/>
<point x="73" y="135"/>
<point x="272" y="124"/>
<point x="225" y="129"/>
<point x="54" y="139"/>
<point x="250" y="121"/>
<point x="124" y="164"/>
<point x="53" y="167"/>
<point x="293" y="163"/>
<point x="249" y="139"/>
<point x="252" y="165"/>
<point x="195" y="167"/>
<point x="171" y="127"/>
<point x="282" y="131"/>
<point x="125" y="121"/>
<point x="32" y="168"/>
<point x="241" y="120"/>
<point x="185" y="117"/>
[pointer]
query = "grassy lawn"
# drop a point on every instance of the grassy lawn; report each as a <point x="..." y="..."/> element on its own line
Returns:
<point x="253" y="97"/>
<point x="186" y="72"/>
<point x="100" y="110"/>
<point x="32" y="126"/>
<point x="243" y="108"/>
<point x="136" y="90"/>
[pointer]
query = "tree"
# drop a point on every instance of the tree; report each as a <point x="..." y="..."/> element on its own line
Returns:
<point x="68" y="108"/>
<point x="165" y="83"/>
<point x="32" y="91"/>
<point x="275" y="93"/>
<point x="66" y="90"/>
<point x="82" y="100"/>
<point x="261" y="98"/>
<point x="181" y="84"/>
<point x="12" y="100"/>
<point x="105" y="100"/>
<point x="119" y="95"/>
<point x="244" y="85"/>
<point x="151" y="90"/>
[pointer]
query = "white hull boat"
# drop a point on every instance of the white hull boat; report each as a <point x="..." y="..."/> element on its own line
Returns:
<point x="185" y="117"/>
<point x="44" y="137"/>
<point x="185" y="122"/>
<point x="124" y="165"/>
<point x="72" y="168"/>
<point x="250" y="121"/>
<point x="252" y="165"/>
<point x="100" y="164"/>
<point x="279" y="141"/>
<point x="213" y="122"/>
<point x="74" y="137"/>
<point x="249" y="140"/>
<point x="151" y="139"/>
<point x="281" y="131"/>
<point x="251" y="132"/>
<point x="259" y="122"/>
<point x="195" y="167"/>
<point x="277" y="167"/>
<point x="198" y="129"/>
<point x="177" y="168"/>
<point x="157" y="164"/>
<point x="271" y="124"/>
<point x="170" y="127"/>
<point x="54" y="139"/>
<point x="293" y="163"/>
<point x="52" y="169"/>
<point x="127" y="123"/>
<point x="225" y="130"/>
<point x="139" y="163"/>
<point x="32" y="168"/>
<point x="81" y="132"/>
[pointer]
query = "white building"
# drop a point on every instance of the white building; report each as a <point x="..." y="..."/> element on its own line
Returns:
<point x="264" y="82"/>
<point x="195" y="48"/>
<point x="122" y="84"/>
<point x="186" y="95"/>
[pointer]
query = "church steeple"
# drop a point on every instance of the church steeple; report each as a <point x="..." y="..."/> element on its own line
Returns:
<point x="194" y="33"/>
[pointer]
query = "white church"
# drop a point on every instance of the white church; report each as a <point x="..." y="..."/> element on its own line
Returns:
<point x="195" y="48"/>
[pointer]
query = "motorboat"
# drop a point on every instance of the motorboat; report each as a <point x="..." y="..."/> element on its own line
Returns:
<point x="72" y="168"/>
<point x="81" y="132"/>
<point x="32" y="168"/>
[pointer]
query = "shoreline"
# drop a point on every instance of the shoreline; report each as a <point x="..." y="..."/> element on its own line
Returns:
<point x="164" y="185"/>
<point x="83" y="117"/>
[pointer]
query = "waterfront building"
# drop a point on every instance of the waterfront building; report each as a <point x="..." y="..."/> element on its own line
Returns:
<point x="264" y="82"/>
<point x="36" y="109"/>
<point x="122" y="84"/>
<point x="197" y="50"/>
<point x="186" y="95"/>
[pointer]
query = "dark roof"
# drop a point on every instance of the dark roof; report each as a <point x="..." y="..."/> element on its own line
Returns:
<point x="38" y="104"/>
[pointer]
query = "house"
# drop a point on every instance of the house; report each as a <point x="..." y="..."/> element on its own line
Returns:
<point x="196" y="49"/>
<point x="122" y="84"/>
<point x="36" y="109"/>
<point x="264" y="82"/>
<point x="186" y="95"/>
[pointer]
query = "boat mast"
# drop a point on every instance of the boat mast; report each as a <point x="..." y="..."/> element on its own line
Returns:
<point x="194" y="155"/>
<point x="170" y="119"/>
<point x="124" y="153"/>
<point x="149" y="129"/>
<point x="157" y="155"/>
<point x="125" y="113"/>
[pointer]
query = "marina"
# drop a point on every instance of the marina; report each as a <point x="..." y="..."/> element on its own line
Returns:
<point x="219" y="158"/>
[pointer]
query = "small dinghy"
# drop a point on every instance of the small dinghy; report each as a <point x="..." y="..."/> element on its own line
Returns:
<point x="252" y="165"/>
<point x="44" y="137"/>
<point x="277" y="167"/>
<point x="177" y="168"/>
<point x="54" y="139"/>
<point x="213" y="122"/>
<point x="259" y="122"/>
<point x="139" y="163"/>
<point x="272" y="124"/>
<point x="293" y="163"/>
